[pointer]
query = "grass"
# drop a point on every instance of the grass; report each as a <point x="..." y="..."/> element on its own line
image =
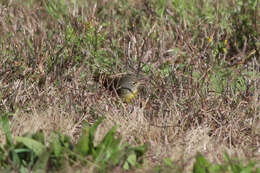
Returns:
<point x="199" y="61"/>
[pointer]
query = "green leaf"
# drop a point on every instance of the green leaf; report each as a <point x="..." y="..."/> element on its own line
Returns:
<point x="107" y="146"/>
<point x="201" y="165"/>
<point x="147" y="68"/>
<point x="168" y="162"/>
<point x="15" y="158"/>
<point x="92" y="134"/>
<point x="32" y="144"/>
<point x="165" y="68"/>
<point x="132" y="159"/>
<point x="247" y="169"/>
<point x="23" y="169"/>
<point x="83" y="145"/>
<point x="160" y="8"/>
<point x="65" y="141"/>
<point x="117" y="155"/>
<point x="56" y="8"/>
<point x="239" y="84"/>
<point x="7" y="131"/>
<point x="216" y="168"/>
<point x="57" y="148"/>
<point x="41" y="164"/>
<point x="196" y="75"/>
<point x="39" y="136"/>
<point x="109" y="138"/>
<point x="140" y="150"/>
<point x="126" y="166"/>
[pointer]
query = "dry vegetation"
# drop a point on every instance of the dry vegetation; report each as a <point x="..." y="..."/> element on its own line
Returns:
<point x="201" y="71"/>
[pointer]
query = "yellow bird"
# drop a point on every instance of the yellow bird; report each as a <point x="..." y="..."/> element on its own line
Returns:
<point x="126" y="86"/>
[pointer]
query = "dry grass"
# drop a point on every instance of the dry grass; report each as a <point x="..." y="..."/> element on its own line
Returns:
<point x="45" y="88"/>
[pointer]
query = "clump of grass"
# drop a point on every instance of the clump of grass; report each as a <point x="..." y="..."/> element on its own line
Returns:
<point x="31" y="153"/>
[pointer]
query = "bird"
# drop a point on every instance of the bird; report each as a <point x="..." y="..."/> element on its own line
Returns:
<point x="128" y="88"/>
<point x="125" y="86"/>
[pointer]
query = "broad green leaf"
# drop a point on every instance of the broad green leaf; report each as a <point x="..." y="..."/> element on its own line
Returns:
<point x="105" y="148"/>
<point x="39" y="136"/>
<point x="22" y="150"/>
<point x="216" y="168"/>
<point x="23" y="169"/>
<point x="15" y="159"/>
<point x="41" y="164"/>
<point x="32" y="144"/>
<point x="131" y="159"/>
<point x="117" y="156"/>
<point x="140" y="150"/>
<point x="6" y="129"/>
<point x="110" y="137"/>
<point x="92" y="134"/>
<point x="57" y="148"/>
<point x="83" y="145"/>
<point x="126" y="166"/>
<point x="65" y="141"/>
